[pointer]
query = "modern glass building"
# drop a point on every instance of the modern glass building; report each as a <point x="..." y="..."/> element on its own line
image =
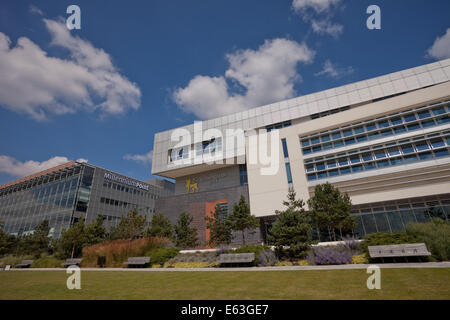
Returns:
<point x="384" y="141"/>
<point x="71" y="191"/>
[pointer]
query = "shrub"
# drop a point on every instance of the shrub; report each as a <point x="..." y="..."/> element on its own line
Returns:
<point x="436" y="236"/>
<point x="190" y="264"/>
<point x="47" y="262"/>
<point x="118" y="251"/>
<point x="304" y="263"/>
<point x="359" y="259"/>
<point x="13" y="260"/>
<point x="196" y="257"/>
<point x="293" y="252"/>
<point x="256" y="249"/>
<point x="339" y="254"/>
<point x="386" y="238"/>
<point x="266" y="258"/>
<point x="284" y="264"/>
<point x="160" y="256"/>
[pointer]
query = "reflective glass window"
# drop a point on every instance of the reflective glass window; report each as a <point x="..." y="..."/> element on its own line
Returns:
<point x="407" y="148"/>
<point x="409" y="117"/>
<point x="428" y="123"/>
<point x="396" y="121"/>
<point x="424" y="114"/>
<point x="436" y="143"/>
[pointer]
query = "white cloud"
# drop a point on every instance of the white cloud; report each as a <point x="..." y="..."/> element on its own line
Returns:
<point x="35" y="10"/>
<point x="318" y="13"/>
<point x="441" y="47"/>
<point x="334" y="71"/>
<point x="327" y="27"/>
<point x="145" y="158"/>
<point x="39" y="85"/>
<point x="267" y="75"/>
<point x="16" y="168"/>
<point x="319" y="6"/>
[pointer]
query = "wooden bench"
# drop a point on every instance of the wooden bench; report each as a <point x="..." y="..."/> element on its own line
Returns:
<point x="137" y="261"/>
<point x="71" y="262"/>
<point x="236" y="258"/>
<point x="25" y="264"/>
<point x="399" y="250"/>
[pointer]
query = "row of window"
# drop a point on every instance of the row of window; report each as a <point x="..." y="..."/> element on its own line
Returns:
<point x="378" y="164"/>
<point x="279" y="125"/>
<point x="406" y="148"/>
<point x="41" y="181"/>
<point x="119" y="187"/>
<point x="209" y="147"/>
<point x="123" y="204"/>
<point x="328" y="112"/>
<point x="370" y="130"/>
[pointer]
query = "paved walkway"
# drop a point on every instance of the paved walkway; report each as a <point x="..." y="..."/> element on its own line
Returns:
<point x="328" y="267"/>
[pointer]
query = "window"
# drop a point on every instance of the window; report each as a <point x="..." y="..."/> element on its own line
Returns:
<point x="379" y="154"/>
<point x="311" y="176"/>
<point x="288" y="173"/>
<point x="410" y="158"/>
<point x="396" y="121"/>
<point x="428" y="123"/>
<point x="327" y="146"/>
<point x="331" y="164"/>
<point x="305" y="143"/>
<point x="358" y="130"/>
<point x="371" y="126"/>
<point x="366" y="157"/>
<point x="398" y="130"/>
<point x="320" y="166"/>
<point x="317" y="148"/>
<point x="325" y="138"/>
<point x="355" y="159"/>
<point x="386" y="133"/>
<point x="396" y="161"/>
<point x="361" y="138"/>
<point x="345" y="170"/>
<point x="383" y="164"/>
<point x="306" y="150"/>
<point x="425" y="156"/>
<point x="338" y="143"/>
<point x="315" y="140"/>
<point x="309" y="168"/>
<point x="443" y="120"/>
<point x="412" y="127"/>
<point x="343" y="161"/>
<point x="408" y="148"/>
<point x="349" y="141"/>
<point x="285" y="150"/>
<point x="348" y="132"/>
<point x="357" y="168"/>
<point x="409" y="117"/>
<point x="438" y="111"/>
<point x="437" y="143"/>
<point x="383" y="124"/>
<point x="333" y="173"/>
<point x="393" y="151"/>
<point x="420" y="146"/>
<point x="374" y="135"/>
<point x="441" y="153"/>
<point x="336" y="135"/>
<point x="424" y="114"/>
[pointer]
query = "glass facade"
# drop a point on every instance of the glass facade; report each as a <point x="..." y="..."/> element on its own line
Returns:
<point x="51" y="197"/>
<point x="405" y="151"/>
<point x="65" y="195"/>
<point x="386" y="126"/>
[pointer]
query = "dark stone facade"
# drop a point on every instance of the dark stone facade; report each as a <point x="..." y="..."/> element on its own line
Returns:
<point x="194" y="204"/>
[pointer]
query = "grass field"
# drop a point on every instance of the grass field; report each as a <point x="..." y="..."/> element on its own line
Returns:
<point x="320" y="284"/>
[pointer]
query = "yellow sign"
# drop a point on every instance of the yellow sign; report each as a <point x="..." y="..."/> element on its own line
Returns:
<point x="191" y="185"/>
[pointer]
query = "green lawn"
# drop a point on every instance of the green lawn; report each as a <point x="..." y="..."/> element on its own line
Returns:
<point x="320" y="284"/>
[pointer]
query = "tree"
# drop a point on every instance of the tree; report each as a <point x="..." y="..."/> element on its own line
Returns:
<point x="39" y="240"/>
<point x="292" y="227"/>
<point x="129" y="227"/>
<point x="241" y="219"/>
<point x="95" y="231"/>
<point x="72" y="240"/>
<point x="7" y="242"/>
<point x="220" y="228"/>
<point x="160" y="227"/>
<point x="185" y="236"/>
<point x="330" y="208"/>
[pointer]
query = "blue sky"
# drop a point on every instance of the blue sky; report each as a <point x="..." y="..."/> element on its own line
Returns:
<point x="139" y="67"/>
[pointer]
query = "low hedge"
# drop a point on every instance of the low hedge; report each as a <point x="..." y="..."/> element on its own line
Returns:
<point x="47" y="262"/>
<point x="162" y="255"/>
